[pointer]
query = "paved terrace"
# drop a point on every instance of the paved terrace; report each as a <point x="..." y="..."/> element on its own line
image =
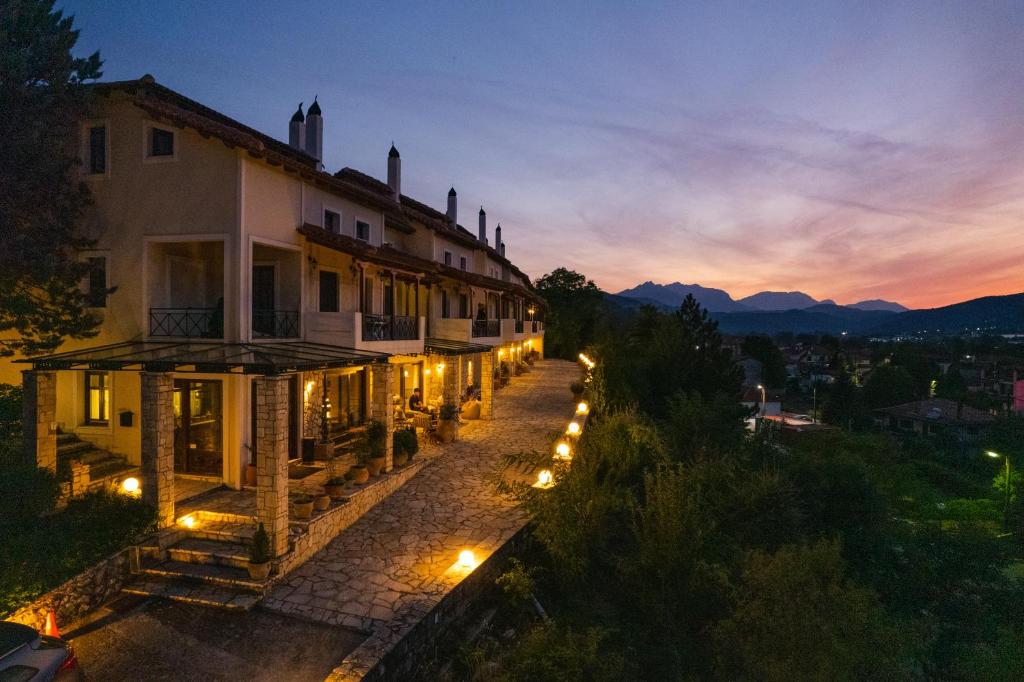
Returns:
<point x="379" y="572"/>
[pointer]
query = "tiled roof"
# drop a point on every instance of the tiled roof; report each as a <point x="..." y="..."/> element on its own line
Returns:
<point x="939" y="410"/>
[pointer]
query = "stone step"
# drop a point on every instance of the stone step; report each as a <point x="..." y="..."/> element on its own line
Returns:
<point x="67" y="448"/>
<point x="114" y="468"/>
<point x="212" y="552"/>
<point x="223" y="531"/>
<point x="66" y="437"/>
<point x="221" y="576"/>
<point x="194" y="593"/>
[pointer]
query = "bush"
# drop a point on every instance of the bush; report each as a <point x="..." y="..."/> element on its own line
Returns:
<point x="405" y="441"/>
<point x="27" y="493"/>
<point x="376" y="438"/>
<point x="259" y="550"/>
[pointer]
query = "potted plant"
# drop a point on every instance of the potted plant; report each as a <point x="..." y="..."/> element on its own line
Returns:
<point x="358" y="474"/>
<point x="321" y="502"/>
<point x="376" y="446"/>
<point x="448" y="422"/>
<point x="335" y="487"/>
<point x="577" y="390"/>
<point x="259" y="554"/>
<point x="405" y="446"/>
<point x="250" y="468"/>
<point x="324" y="448"/>
<point x="303" y="506"/>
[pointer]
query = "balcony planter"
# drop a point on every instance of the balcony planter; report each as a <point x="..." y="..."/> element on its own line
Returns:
<point x="448" y="423"/>
<point x="358" y="474"/>
<point x="335" y="488"/>
<point x="259" y="555"/>
<point x="321" y="502"/>
<point x="400" y="459"/>
<point x="303" y="507"/>
<point x="376" y="447"/>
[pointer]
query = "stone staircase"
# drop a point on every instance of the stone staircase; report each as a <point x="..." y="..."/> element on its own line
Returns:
<point x="101" y="466"/>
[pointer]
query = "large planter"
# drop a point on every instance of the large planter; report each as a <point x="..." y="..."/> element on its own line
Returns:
<point x="321" y="502"/>
<point x="400" y="459"/>
<point x="323" y="450"/>
<point x="447" y="429"/>
<point x="334" y="491"/>
<point x="260" y="571"/>
<point x="358" y="474"/>
<point x="302" y="510"/>
<point x="375" y="464"/>
<point x="250" y="475"/>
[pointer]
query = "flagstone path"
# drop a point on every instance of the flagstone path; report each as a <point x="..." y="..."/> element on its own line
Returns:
<point x="398" y="555"/>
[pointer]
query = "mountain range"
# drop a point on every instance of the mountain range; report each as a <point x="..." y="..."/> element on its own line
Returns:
<point x="770" y="312"/>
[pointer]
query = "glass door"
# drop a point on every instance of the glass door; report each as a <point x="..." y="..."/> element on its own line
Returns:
<point x="263" y="300"/>
<point x="198" y="427"/>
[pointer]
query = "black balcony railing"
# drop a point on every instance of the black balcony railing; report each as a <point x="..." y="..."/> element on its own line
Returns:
<point x="275" y="324"/>
<point x="537" y="326"/>
<point x="390" y="328"/>
<point x="486" y="328"/>
<point x="205" y="323"/>
<point x="519" y="326"/>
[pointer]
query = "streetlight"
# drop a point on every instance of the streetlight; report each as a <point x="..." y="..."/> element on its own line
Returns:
<point x="764" y="412"/>
<point x="1006" y="504"/>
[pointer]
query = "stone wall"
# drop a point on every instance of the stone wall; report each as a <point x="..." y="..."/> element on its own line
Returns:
<point x="158" y="444"/>
<point x="39" y="415"/>
<point x="76" y="597"/>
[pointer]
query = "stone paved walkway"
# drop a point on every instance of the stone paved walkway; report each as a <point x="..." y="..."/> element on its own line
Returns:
<point x="397" y="554"/>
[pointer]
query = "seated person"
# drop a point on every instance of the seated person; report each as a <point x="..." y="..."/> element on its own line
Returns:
<point x="416" y="401"/>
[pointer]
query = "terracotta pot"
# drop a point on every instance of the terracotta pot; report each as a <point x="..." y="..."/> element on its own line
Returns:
<point x="334" y="491"/>
<point x="321" y="502"/>
<point x="374" y="465"/>
<point x="260" y="571"/>
<point x="401" y="458"/>
<point x="303" y="510"/>
<point x="358" y="474"/>
<point x="447" y="429"/>
<point x="250" y="475"/>
<point x="323" y="450"/>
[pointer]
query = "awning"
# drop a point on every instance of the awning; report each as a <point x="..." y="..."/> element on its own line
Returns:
<point x="218" y="358"/>
<point x="449" y="347"/>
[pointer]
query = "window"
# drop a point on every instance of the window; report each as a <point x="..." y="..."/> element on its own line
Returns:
<point x="328" y="292"/>
<point x="96" y="293"/>
<point x="332" y="222"/>
<point x="161" y="142"/>
<point x="97" y="150"/>
<point x="462" y="263"/>
<point x="463" y="306"/>
<point x="448" y="258"/>
<point x="362" y="230"/>
<point x="445" y="306"/>
<point x="97" y="397"/>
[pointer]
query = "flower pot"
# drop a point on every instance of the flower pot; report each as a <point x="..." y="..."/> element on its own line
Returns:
<point x="447" y="429"/>
<point x="250" y="475"/>
<point x="401" y="458"/>
<point x="374" y="465"/>
<point x="334" y="491"/>
<point x="302" y="510"/>
<point x="260" y="571"/>
<point x="321" y="502"/>
<point x="358" y="474"/>
<point x="323" y="450"/>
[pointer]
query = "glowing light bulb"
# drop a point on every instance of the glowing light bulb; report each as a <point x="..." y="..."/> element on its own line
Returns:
<point x="130" y="484"/>
<point x="573" y="429"/>
<point x="562" y="450"/>
<point x="467" y="559"/>
<point x="544" y="477"/>
<point x="582" y="408"/>
<point x="187" y="521"/>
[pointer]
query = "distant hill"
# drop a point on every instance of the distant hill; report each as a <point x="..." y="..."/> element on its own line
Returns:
<point x="878" y="304"/>
<point x="821" y="318"/>
<point x="671" y="295"/>
<point x="993" y="314"/>
<point x="780" y="300"/>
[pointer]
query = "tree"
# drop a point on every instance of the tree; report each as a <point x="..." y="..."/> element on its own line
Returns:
<point x="574" y="306"/>
<point x="44" y="96"/>
<point x="773" y="364"/>
<point x="887" y="386"/>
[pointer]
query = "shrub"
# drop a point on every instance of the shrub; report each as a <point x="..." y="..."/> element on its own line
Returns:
<point x="27" y="492"/>
<point x="406" y="441"/>
<point x="335" y="480"/>
<point x="376" y="438"/>
<point x="449" y="411"/>
<point x="259" y="550"/>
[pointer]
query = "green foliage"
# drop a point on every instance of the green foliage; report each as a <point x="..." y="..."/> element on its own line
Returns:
<point x="27" y="493"/>
<point x="41" y="555"/>
<point x="376" y="438"/>
<point x="448" y="411"/>
<point x="695" y="426"/>
<point x="517" y="583"/>
<point x="42" y="87"/>
<point x="887" y="386"/>
<point x="773" y="364"/>
<point x="551" y="653"/>
<point x="259" y="548"/>
<point x="574" y="308"/>
<point x="405" y="441"/>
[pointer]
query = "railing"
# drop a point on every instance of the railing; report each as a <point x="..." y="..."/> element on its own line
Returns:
<point x="380" y="328"/>
<point x="275" y="324"/>
<point x="486" y="328"/>
<point x="537" y="326"/>
<point x="519" y="326"/>
<point x="206" y="323"/>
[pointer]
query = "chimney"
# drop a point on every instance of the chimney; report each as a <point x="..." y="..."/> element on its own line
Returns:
<point x="483" y="225"/>
<point x="453" y="208"/>
<point x="503" y="249"/>
<point x="297" y="130"/>
<point x="395" y="173"/>
<point x="497" y="238"/>
<point x="315" y="134"/>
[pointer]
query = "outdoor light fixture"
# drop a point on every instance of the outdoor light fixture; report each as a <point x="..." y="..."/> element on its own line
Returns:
<point x="187" y="521"/>
<point x="466" y="559"/>
<point x="582" y="408"/>
<point x="130" y="485"/>
<point x="562" y="450"/>
<point x="440" y="367"/>
<point x="426" y="371"/>
<point x="544" y="478"/>
<point x="573" y="429"/>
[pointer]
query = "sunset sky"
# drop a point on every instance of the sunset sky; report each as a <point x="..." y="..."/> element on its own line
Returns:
<point x="849" y="150"/>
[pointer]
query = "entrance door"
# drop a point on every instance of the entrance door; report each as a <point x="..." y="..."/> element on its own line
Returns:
<point x="263" y="299"/>
<point x="198" y="427"/>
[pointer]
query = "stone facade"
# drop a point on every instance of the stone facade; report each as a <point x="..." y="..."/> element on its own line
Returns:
<point x="382" y="409"/>
<point x="157" y="422"/>
<point x="450" y="387"/>
<point x="272" y="459"/>
<point x="39" y="418"/>
<point x="487" y="385"/>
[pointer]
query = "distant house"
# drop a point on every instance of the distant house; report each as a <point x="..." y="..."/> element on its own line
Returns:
<point x="772" y="401"/>
<point x="935" y="417"/>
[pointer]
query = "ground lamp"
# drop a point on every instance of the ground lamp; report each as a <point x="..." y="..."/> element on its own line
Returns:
<point x="130" y="485"/>
<point x="466" y="560"/>
<point x="562" y="450"/>
<point x="582" y="408"/>
<point x="573" y="429"/>
<point x="545" y="479"/>
<point x="1006" y="504"/>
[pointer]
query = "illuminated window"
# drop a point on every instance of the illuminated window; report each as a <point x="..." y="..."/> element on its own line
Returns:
<point x="97" y="397"/>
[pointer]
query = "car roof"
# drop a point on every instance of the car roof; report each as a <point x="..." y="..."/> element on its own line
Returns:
<point x="14" y="636"/>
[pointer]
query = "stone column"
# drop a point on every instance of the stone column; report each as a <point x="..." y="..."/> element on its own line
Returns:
<point x="39" y="418"/>
<point x="450" y="381"/>
<point x="487" y="385"/>
<point x="272" y="459"/>
<point x="382" y="389"/>
<point x="157" y="426"/>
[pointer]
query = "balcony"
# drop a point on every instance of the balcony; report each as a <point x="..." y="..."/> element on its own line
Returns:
<point x="486" y="328"/>
<point x="537" y="326"/>
<point x="519" y="326"/>
<point x="390" y="328"/>
<point x="275" y="324"/>
<point x="202" y="323"/>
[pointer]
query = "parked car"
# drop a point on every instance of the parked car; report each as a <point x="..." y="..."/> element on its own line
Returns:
<point x="27" y="656"/>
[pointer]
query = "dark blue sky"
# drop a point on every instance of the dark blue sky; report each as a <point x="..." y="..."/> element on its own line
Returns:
<point x="851" y="150"/>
